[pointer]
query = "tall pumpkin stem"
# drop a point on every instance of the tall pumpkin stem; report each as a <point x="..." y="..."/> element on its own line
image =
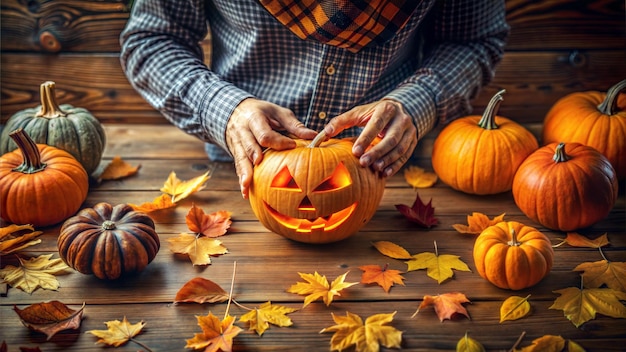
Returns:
<point x="488" y="120"/>
<point x="513" y="242"/>
<point x="49" y="107"/>
<point x="609" y="104"/>
<point x="559" y="154"/>
<point x="317" y="140"/>
<point x="32" y="158"/>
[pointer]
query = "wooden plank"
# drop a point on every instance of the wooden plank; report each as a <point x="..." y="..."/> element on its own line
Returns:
<point x="533" y="80"/>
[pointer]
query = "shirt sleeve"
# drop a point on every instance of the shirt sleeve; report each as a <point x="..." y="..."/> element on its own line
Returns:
<point x="162" y="59"/>
<point x="463" y="47"/>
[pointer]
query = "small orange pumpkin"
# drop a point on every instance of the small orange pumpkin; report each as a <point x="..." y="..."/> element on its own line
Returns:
<point x="480" y="154"/>
<point x="315" y="193"/>
<point x="565" y="186"/>
<point x="40" y="184"/>
<point x="593" y="118"/>
<point x="512" y="255"/>
<point x="108" y="241"/>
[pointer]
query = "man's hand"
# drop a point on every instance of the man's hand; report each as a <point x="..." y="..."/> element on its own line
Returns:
<point x="385" y="119"/>
<point x="253" y="127"/>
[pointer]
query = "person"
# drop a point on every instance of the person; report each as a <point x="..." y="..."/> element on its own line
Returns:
<point x="284" y="69"/>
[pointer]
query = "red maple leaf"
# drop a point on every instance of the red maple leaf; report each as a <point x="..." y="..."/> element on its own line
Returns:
<point x="419" y="213"/>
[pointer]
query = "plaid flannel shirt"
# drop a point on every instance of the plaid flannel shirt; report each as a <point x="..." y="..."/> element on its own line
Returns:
<point x="434" y="65"/>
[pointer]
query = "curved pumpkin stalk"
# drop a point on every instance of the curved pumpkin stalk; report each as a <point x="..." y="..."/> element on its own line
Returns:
<point x="609" y="104"/>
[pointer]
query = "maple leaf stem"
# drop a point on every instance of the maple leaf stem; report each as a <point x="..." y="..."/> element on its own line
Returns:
<point x="602" y="253"/>
<point x="140" y="344"/>
<point x="436" y="250"/>
<point x="519" y="340"/>
<point x="230" y="294"/>
<point x="241" y="305"/>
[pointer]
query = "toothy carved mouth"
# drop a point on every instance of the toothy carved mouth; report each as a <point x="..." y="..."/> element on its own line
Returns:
<point x="326" y="223"/>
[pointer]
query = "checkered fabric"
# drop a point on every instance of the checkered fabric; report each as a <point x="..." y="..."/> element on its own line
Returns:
<point x="347" y="24"/>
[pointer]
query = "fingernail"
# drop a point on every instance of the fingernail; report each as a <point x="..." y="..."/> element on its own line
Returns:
<point x="357" y="150"/>
<point x="388" y="171"/>
<point x="379" y="165"/>
<point x="329" y="129"/>
<point x="365" y="160"/>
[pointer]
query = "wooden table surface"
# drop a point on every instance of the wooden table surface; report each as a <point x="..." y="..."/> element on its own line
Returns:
<point x="268" y="264"/>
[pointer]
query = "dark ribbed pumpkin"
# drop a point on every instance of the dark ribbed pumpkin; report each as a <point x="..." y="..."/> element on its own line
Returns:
<point x="108" y="241"/>
<point x="72" y="129"/>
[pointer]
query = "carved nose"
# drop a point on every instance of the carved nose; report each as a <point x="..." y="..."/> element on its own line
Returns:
<point x="306" y="205"/>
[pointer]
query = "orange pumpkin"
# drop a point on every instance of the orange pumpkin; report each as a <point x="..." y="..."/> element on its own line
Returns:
<point x="315" y="193"/>
<point x="40" y="184"/>
<point x="565" y="186"/>
<point x="480" y="154"/>
<point x="593" y="118"/>
<point x="512" y="255"/>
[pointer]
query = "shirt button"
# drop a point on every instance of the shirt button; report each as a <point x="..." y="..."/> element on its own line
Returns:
<point x="330" y="70"/>
<point x="322" y="115"/>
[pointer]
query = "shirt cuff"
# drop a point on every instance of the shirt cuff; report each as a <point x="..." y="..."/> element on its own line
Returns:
<point x="419" y="102"/>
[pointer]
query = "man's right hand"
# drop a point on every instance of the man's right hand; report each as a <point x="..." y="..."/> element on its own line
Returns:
<point x="253" y="127"/>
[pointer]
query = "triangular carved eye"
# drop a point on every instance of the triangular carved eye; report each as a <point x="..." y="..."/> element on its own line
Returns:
<point x="340" y="178"/>
<point x="284" y="180"/>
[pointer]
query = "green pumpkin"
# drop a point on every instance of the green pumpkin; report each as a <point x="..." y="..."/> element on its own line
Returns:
<point x="72" y="129"/>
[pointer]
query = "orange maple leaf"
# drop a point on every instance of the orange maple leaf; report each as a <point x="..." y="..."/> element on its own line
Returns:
<point x="419" y="178"/>
<point x="446" y="305"/>
<point x="383" y="276"/>
<point x="210" y="225"/>
<point x="117" y="169"/>
<point x="577" y="240"/>
<point x="477" y="222"/>
<point x="161" y="202"/>
<point x="216" y="335"/>
<point x="201" y="290"/>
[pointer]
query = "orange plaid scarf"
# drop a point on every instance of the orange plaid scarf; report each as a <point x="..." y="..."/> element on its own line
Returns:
<point x="349" y="24"/>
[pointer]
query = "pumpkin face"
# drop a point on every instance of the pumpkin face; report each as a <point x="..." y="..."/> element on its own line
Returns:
<point x="513" y="256"/>
<point x="315" y="194"/>
<point x="108" y="241"/>
<point x="565" y="186"/>
<point x="593" y="118"/>
<point x="72" y="129"/>
<point x="40" y="184"/>
<point x="480" y="154"/>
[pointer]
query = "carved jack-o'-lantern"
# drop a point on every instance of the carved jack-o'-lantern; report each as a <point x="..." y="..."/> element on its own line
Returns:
<point x="315" y="193"/>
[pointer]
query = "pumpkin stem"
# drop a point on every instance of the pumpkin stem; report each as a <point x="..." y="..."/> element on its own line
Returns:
<point x="513" y="242"/>
<point x="108" y="225"/>
<point x="609" y="104"/>
<point x="559" y="154"/>
<point x="49" y="107"/>
<point x="488" y="120"/>
<point x="32" y="157"/>
<point x="317" y="140"/>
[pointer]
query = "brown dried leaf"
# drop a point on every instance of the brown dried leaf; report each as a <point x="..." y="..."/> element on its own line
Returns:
<point x="477" y="222"/>
<point x="198" y="248"/>
<point x="383" y="276"/>
<point x="446" y="305"/>
<point x="163" y="201"/>
<point x="201" y="290"/>
<point x="50" y="317"/>
<point x="118" y="169"/>
<point x="117" y="332"/>
<point x="210" y="225"/>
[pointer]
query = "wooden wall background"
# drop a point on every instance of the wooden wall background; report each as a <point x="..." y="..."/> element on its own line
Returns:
<point x="556" y="47"/>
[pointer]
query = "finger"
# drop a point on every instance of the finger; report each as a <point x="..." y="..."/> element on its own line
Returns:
<point x="267" y="137"/>
<point x="382" y="114"/>
<point x="243" y="167"/>
<point x="354" y="117"/>
<point x="390" y="163"/>
<point x="296" y="128"/>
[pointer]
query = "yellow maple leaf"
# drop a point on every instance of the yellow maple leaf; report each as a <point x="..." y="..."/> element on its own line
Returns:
<point x="259" y="319"/>
<point x="163" y="201"/>
<point x="603" y="272"/>
<point x="216" y="335"/>
<point x="34" y="273"/>
<point x="198" y="248"/>
<point x="179" y="189"/>
<point x="438" y="266"/>
<point x="477" y="222"/>
<point x="365" y="337"/>
<point x="317" y="286"/>
<point x="582" y="305"/>
<point x="419" y="178"/>
<point x="383" y="276"/>
<point x="392" y="250"/>
<point x="117" y="169"/>
<point x="546" y="343"/>
<point x="117" y="332"/>
<point x="514" y="308"/>
<point x="13" y="238"/>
